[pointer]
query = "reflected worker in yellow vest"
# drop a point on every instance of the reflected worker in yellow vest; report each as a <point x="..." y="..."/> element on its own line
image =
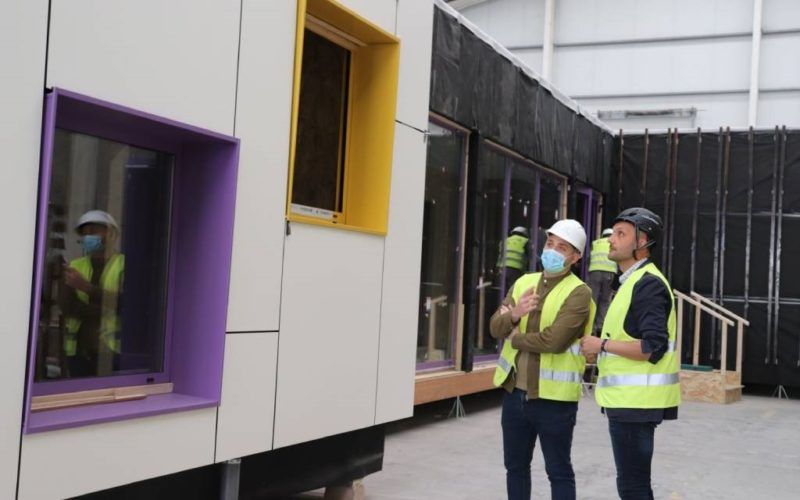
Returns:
<point x="602" y="271"/>
<point x="93" y="292"/>
<point x="512" y="255"/>
<point x="542" y="320"/>
<point x="638" y="383"/>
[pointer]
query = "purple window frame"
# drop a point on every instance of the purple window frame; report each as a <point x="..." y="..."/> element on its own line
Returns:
<point x="540" y="172"/>
<point x="206" y="165"/>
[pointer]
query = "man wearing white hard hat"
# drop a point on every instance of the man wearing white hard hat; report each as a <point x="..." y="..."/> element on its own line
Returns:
<point x="92" y="298"/>
<point x="602" y="271"/>
<point x="542" y="320"/>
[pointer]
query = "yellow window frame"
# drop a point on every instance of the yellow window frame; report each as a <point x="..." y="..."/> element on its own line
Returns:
<point x="371" y="108"/>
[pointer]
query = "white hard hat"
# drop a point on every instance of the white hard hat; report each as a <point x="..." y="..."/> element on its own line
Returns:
<point x="608" y="231"/>
<point x="520" y="230"/>
<point x="97" y="217"/>
<point x="571" y="231"/>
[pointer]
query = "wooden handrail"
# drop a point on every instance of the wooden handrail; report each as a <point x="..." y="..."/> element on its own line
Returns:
<point x="719" y="307"/>
<point x="705" y="308"/>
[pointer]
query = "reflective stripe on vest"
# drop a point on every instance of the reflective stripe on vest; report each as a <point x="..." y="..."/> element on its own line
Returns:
<point x="647" y="380"/>
<point x="513" y="254"/>
<point x="599" y="260"/>
<point x="626" y="383"/>
<point x="109" y="322"/>
<point x="560" y="374"/>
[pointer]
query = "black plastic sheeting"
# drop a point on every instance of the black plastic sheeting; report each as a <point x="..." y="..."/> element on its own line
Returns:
<point x="476" y="86"/>
<point x="731" y="201"/>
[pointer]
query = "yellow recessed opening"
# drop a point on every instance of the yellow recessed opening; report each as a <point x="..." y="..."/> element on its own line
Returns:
<point x="342" y="130"/>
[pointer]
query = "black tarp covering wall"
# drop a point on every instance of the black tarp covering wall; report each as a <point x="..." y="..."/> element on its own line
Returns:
<point x="478" y="87"/>
<point x="731" y="201"/>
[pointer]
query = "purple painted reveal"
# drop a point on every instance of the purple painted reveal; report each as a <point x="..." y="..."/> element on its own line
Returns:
<point x="205" y="191"/>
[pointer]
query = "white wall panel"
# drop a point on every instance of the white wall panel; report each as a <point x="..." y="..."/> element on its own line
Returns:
<point x="780" y="15"/>
<point x="327" y="356"/>
<point x="380" y="12"/>
<point x="415" y="30"/>
<point x="23" y="38"/>
<point x="176" y="59"/>
<point x="263" y="117"/>
<point x="779" y="56"/>
<point x="244" y="423"/>
<point x="779" y="108"/>
<point x="70" y="462"/>
<point x="652" y="68"/>
<point x="596" y="20"/>
<point x="510" y="22"/>
<point x="400" y="307"/>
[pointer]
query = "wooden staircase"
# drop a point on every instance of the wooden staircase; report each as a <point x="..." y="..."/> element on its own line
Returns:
<point x="716" y="385"/>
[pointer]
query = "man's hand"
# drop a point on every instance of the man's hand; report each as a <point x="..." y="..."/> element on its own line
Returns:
<point x="73" y="279"/>
<point x="590" y="345"/>
<point x="527" y="303"/>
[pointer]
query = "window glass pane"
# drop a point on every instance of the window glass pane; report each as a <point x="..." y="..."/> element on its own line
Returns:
<point x="441" y="241"/>
<point x="550" y="189"/>
<point x="522" y="205"/>
<point x="104" y="290"/>
<point x="321" y="124"/>
<point x="489" y="200"/>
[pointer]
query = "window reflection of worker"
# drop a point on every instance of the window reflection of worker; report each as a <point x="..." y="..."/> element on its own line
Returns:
<point x="92" y="296"/>
<point x="513" y="255"/>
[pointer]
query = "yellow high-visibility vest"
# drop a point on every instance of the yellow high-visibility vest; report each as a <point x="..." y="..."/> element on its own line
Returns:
<point x="513" y="255"/>
<point x="599" y="260"/>
<point x="560" y="374"/>
<point x="625" y="383"/>
<point x="110" y="281"/>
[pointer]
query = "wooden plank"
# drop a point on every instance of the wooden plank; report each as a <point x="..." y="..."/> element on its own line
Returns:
<point x="81" y="398"/>
<point x="445" y="385"/>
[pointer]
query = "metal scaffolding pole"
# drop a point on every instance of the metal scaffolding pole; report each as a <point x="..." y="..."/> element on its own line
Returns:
<point x="665" y="243"/>
<point x="696" y="203"/>
<point x="777" y="319"/>
<point x="715" y="279"/>
<point x="619" y="179"/>
<point x="771" y="273"/>
<point x="674" y="200"/>
<point x="748" y="236"/>
<point x="644" y="170"/>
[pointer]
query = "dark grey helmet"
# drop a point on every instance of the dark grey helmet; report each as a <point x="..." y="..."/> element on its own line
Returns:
<point x="643" y="220"/>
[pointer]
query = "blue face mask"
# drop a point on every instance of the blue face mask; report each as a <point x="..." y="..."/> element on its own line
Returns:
<point x="92" y="243"/>
<point x="552" y="261"/>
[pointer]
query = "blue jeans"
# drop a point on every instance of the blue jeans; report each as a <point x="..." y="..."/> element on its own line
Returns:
<point x="632" y="443"/>
<point x="523" y="421"/>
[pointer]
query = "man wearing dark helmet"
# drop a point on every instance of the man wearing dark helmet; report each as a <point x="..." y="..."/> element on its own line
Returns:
<point x="638" y="382"/>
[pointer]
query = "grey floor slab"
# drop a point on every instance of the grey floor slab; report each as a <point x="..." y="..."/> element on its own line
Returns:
<point x="747" y="450"/>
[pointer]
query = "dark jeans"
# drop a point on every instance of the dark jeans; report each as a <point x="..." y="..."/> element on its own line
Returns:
<point x="633" y="453"/>
<point x="600" y="282"/>
<point x="553" y="422"/>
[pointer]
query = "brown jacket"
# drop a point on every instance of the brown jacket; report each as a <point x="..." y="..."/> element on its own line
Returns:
<point x="567" y="327"/>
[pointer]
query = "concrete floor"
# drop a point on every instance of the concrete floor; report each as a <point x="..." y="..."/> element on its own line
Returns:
<point x="747" y="450"/>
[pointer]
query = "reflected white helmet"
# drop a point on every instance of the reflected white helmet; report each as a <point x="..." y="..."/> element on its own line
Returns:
<point x="520" y="230"/>
<point x="571" y="231"/>
<point x="97" y="217"/>
<point x="608" y="231"/>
